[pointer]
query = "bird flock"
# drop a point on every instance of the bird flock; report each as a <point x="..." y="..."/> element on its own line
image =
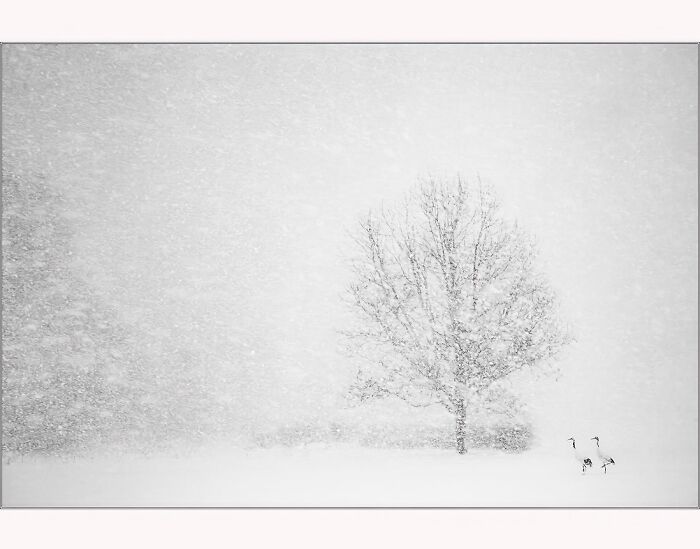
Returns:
<point x="584" y="455"/>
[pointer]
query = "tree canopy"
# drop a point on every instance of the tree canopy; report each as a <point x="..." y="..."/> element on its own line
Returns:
<point x="448" y="299"/>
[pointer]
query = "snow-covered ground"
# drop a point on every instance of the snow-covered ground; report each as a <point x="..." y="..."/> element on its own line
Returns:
<point x="180" y="224"/>
<point x="337" y="475"/>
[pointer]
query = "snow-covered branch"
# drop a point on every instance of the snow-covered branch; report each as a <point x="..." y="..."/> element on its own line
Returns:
<point x="447" y="298"/>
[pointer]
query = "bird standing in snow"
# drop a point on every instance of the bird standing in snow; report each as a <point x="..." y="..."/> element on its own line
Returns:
<point x="581" y="456"/>
<point x="604" y="457"/>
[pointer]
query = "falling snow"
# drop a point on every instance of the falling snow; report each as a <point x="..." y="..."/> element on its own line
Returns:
<point x="177" y="240"/>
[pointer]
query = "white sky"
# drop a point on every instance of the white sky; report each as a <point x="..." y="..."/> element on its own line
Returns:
<point x="212" y="187"/>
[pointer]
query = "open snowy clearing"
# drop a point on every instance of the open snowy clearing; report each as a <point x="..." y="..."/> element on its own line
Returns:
<point x="319" y="476"/>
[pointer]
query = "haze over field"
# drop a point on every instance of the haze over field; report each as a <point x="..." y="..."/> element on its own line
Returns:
<point x="207" y="192"/>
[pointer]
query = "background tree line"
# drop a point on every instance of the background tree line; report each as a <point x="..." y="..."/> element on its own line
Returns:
<point x="74" y="376"/>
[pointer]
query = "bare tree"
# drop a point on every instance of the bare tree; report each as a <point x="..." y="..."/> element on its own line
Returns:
<point x="448" y="300"/>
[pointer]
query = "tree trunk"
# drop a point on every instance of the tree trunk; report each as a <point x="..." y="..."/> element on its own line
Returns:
<point x="461" y="427"/>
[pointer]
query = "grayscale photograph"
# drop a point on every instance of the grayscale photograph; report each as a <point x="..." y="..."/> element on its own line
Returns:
<point x="349" y="275"/>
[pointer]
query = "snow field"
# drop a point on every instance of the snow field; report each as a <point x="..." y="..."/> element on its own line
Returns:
<point x="321" y="475"/>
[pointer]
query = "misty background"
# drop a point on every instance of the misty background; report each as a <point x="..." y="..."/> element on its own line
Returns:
<point x="206" y="193"/>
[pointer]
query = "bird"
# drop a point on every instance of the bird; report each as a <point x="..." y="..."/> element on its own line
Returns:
<point x="603" y="456"/>
<point x="580" y="455"/>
